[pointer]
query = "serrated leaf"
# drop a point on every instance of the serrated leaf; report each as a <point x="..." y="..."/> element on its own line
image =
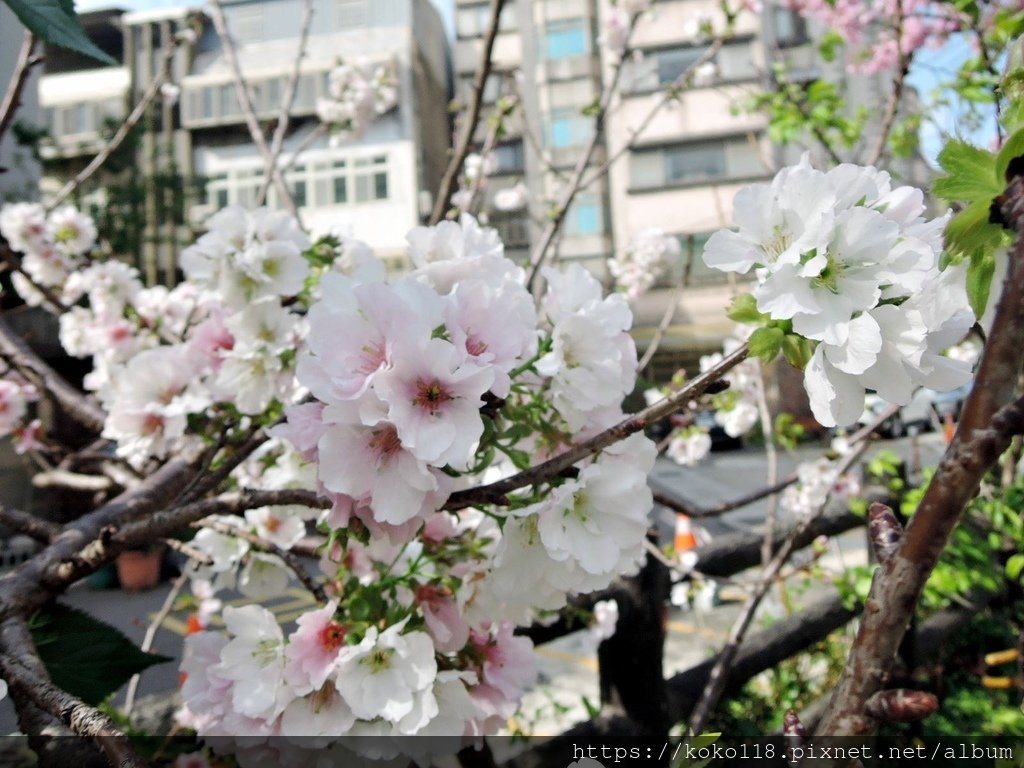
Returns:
<point x="1012" y="148"/>
<point x="970" y="231"/>
<point x="744" y="310"/>
<point x="55" y="22"/>
<point x="979" y="280"/>
<point x="766" y="343"/>
<point x="970" y="170"/>
<point x="84" y="656"/>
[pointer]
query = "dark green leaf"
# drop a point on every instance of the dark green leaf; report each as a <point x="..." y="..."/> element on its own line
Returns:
<point x="55" y="22"/>
<point x="766" y="343"/>
<point x="84" y="656"/>
<point x="971" y="173"/>
<point x="979" y="280"/>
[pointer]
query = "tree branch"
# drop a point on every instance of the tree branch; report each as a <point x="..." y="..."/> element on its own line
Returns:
<point x="495" y="493"/>
<point x="986" y="427"/>
<point x="284" y="116"/>
<point x="22" y="68"/>
<point x="25" y="674"/>
<point x="148" y="97"/>
<point x="892" y="104"/>
<point x="472" y="117"/>
<point x="245" y="102"/>
<point x="28" y="524"/>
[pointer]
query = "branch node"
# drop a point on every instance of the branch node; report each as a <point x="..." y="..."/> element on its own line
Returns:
<point x="901" y="705"/>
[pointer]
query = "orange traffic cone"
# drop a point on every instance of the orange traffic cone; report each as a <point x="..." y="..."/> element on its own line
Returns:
<point x="684" y="539"/>
<point x="948" y="428"/>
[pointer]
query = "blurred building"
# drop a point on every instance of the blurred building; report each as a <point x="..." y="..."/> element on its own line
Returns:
<point x="19" y="177"/>
<point x="192" y="152"/>
<point x="677" y="172"/>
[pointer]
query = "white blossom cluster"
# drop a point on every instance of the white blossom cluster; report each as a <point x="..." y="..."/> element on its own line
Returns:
<point x="817" y="483"/>
<point x="359" y="92"/>
<point x="402" y="373"/>
<point x="51" y="245"/>
<point x="736" y="409"/>
<point x="649" y="256"/>
<point x="852" y="264"/>
<point x="617" y="19"/>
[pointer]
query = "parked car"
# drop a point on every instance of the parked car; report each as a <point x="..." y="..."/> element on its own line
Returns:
<point x="926" y="410"/>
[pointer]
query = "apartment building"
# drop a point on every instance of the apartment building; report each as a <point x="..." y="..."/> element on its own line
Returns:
<point x="677" y="171"/>
<point x="193" y="154"/>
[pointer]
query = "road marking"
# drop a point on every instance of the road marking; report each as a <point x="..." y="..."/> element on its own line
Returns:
<point x="284" y="610"/>
<point x="554" y="654"/>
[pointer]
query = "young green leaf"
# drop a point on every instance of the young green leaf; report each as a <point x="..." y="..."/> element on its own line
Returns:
<point x="979" y="280"/>
<point x="744" y="310"/>
<point x="970" y="173"/>
<point x="766" y="343"/>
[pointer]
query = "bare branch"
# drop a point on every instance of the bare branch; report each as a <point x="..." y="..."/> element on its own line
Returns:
<point x="26" y="674"/>
<point x="62" y="478"/>
<point x="987" y="424"/>
<point x="287" y="101"/>
<point x="163" y="72"/>
<point x="471" y="118"/>
<point x="245" y="102"/>
<point x="28" y="524"/>
<point x="22" y="68"/>
<point x="495" y="493"/>
<point x="892" y="104"/>
<point x="77" y="405"/>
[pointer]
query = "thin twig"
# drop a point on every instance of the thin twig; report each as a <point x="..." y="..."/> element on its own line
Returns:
<point x="151" y="630"/>
<point x="772" y="457"/>
<point x="670" y="310"/>
<point x="245" y="102"/>
<point x="290" y="91"/>
<point x="22" y="68"/>
<point x="892" y="104"/>
<point x="288" y="558"/>
<point x="495" y="493"/>
<point x="723" y="662"/>
<point x="554" y="225"/>
<point x="471" y="118"/>
<point x="151" y="93"/>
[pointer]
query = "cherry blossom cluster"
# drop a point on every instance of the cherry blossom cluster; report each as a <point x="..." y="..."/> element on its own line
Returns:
<point x="872" y="29"/>
<point x="817" y="483"/>
<point x="359" y="92"/>
<point x="848" y="262"/>
<point x="420" y="385"/>
<point x="650" y="254"/>
<point x="617" y="23"/>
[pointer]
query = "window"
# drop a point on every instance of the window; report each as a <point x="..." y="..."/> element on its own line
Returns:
<point x="371" y="178"/>
<point x="691" y="250"/>
<point x="720" y="159"/>
<point x="509" y="157"/>
<point x="351" y="14"/>
<point x="568" y="128"/>
<point x="567" y="38"/>
<point x="585" y="216"/>
<point x="513" y="230"/>
<point x="661" y="67"/>
<point x="790" y="27"/>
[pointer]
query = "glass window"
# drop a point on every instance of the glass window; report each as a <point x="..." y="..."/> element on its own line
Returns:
<point x="568" y="128"/>
<point x="789" y="26"/>
<point x="509" y="157"/>
<point x="567" y="38"/>
<point x="340" y="189"/>
<point x="584" y="216"/>
<point x="727" y="158"/>
<point x="698" y="161"/>
<point x="380" y="186"/>
<point x="227" y="100"/>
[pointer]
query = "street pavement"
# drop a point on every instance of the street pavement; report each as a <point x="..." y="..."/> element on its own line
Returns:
<point x="567" y="667"/>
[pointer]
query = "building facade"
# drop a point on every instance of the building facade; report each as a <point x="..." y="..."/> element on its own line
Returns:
<point x="193" y="154"/>
<point x="677" y="172"/>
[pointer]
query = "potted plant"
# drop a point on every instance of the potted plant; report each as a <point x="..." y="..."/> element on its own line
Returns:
<point x="139" y="569"/>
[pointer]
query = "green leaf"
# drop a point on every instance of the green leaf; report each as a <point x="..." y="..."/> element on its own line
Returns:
<point x="84" y="656"/>
<point x="971" y="173"/>
<point x="55" y="22"/>
<point x="797" y="350"/>
<point x="1012" y="148"/>
<point x="970" y="231"/>
<point x="1014" y="566"/>
<point x="744" y="310"/>
<point x="766" y="343"/>
<point x="979" y="280"/>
